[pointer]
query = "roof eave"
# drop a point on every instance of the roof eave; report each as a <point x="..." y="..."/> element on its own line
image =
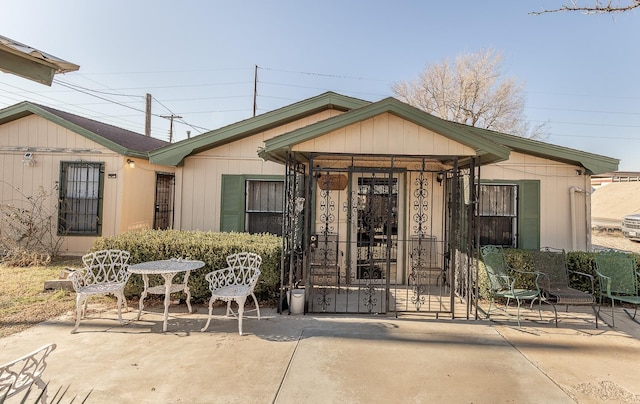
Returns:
<point x="33" y="65"/>
<point x="487" y="150"/>
<point x="593" y="163"/>
<point x="174" y="154"/>
<point x="25" y="108"/>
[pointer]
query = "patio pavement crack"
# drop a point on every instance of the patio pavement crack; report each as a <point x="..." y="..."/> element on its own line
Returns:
<point x="286" y="372"/>
<point x="536" y="366"/>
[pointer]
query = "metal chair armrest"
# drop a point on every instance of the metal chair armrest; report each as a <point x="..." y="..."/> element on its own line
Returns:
<point x="606" y="280"/>
<point x="532" y="273"/>
<point x="593" y="288"/>
<point x="542" y="279"/>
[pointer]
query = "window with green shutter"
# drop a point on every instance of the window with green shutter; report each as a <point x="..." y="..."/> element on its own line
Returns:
<point x="509" y="214"/>
<point x="252" y="203"/>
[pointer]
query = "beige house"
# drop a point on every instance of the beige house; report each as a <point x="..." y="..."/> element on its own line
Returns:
<point x="381" y="211"/>
<point x="98" y="175"/>
<point x="381" y="206"/>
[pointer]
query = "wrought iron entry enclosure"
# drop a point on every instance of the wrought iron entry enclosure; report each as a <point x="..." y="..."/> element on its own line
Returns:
<point x="371" y="234"/>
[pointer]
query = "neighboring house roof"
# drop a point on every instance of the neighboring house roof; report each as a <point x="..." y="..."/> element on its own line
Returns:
<point x="31" y="63"/>
<point x="121" y="141"/>
<point x="174" y="154"/>
<point x="486" y="149"/>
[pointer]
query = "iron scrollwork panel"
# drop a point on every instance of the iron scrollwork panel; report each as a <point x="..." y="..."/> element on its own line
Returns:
<point x="420" y="258"/>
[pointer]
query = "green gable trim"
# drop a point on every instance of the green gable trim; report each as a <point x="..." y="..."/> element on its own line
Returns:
<point x="487" y="150"/>
<point x="593" y="163"/>
<point x="25" y="109"/>
<point x="174" y="154"/>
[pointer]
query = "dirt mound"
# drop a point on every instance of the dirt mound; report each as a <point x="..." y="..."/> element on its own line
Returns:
<point x="613" y="201"/>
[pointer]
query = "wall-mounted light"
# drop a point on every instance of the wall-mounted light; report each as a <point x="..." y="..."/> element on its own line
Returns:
<point x="440" y="177"/>
<point x="131" y="163"/>
<point x="578" y="172"/>
<point x="28" y="160"/>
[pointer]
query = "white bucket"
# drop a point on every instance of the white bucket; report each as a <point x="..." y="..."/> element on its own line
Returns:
<point x="296" y="303"/>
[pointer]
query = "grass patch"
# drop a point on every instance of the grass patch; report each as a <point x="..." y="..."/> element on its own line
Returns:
<point x="23" y="300"/>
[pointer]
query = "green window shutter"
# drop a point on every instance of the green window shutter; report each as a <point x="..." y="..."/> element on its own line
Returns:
<point x="529" y="215"/>
<point x="232" y="205"/>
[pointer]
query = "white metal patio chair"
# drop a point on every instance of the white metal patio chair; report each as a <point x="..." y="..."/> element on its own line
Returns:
<point x="20" y="374"/>
<point x="105" y="272"/>
<point x="235" y="283"/>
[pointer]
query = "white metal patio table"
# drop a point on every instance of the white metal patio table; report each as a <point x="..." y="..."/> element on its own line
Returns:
<point x="167" y="269"/>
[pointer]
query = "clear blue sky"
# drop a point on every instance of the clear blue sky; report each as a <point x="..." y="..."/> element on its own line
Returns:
<point x="197" y="58"/>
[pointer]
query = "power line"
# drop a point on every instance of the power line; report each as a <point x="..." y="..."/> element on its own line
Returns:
<point x="59" y="102"/>
<point x="586" y="111"/>
<point x="175" y="71"/>
<point x="75" y="86"/>
<point x="589" y="124"/>
<point x="335" y="76"/>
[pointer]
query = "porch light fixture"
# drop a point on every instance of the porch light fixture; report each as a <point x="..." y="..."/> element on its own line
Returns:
<point x="440" y="178"/>
<point x="131" y="163"/>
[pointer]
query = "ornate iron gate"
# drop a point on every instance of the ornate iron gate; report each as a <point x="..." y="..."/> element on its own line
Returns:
<point x="292" y="235"/>
<point x="370" y="234"/>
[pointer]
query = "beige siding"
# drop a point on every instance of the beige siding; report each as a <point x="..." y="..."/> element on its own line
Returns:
<point x="200" y="178"/>
<point x="138" y="194"/>
<point x="385" y="134"/>
<point x="128" y="194"/>
<point x="563" y="223"/>
<point x="559" y="227"/>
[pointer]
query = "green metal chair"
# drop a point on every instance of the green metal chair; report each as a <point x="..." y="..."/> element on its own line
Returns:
<point x="554" y="281"/>
<point x="502" y="283"/>
<point x="619" y="280"/>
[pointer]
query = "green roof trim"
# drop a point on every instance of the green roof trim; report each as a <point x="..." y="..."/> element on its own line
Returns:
<point x="26" y="108"/>
<point x="487" y="150"/>
<point x="174" y="154"/>
<point x="593" y="163"/>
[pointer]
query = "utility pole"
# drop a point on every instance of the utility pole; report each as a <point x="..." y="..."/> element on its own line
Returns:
<point x="255" y="90"/>
<point x="147" y="116"/>
<point x="171" y="118"/>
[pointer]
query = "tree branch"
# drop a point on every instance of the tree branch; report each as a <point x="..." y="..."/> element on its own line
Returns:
<point x="598" y="8"/>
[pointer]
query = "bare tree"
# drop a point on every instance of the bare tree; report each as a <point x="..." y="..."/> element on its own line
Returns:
<point x="472" y="91"/>
<point x="597" y="7"/>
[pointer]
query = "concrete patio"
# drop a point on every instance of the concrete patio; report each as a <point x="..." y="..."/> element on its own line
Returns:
<point x="346" y="359"/>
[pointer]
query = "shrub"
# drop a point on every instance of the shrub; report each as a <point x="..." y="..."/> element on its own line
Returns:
<point x="209" y="247"/>
<point x="28" y="228"/>
<point x="579" y="261"/>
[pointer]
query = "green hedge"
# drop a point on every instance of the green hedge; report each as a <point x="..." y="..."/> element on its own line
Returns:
<point x="209" y="247"/>
<point x="579" y="261"/>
